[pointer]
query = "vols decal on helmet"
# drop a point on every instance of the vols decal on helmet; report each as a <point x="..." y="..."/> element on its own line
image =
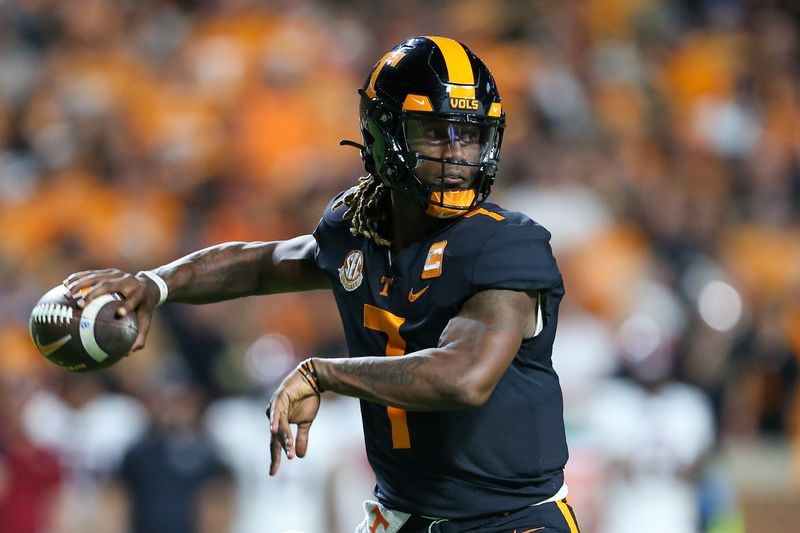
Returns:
<point x="469" y="104"/>
<point x="350" y="273"/>
<point x="434" y="261"/>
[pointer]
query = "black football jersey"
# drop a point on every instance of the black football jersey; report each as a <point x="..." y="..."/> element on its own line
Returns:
<point x="510" y="452"/>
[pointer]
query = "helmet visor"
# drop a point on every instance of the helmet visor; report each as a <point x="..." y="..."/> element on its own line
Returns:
<point x="449" y="141"/>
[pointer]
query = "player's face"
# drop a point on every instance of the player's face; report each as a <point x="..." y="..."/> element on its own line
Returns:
<point x="449" y="141"/>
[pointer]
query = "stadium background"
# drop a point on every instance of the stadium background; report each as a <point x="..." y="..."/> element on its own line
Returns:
<point x="658" y="140"/>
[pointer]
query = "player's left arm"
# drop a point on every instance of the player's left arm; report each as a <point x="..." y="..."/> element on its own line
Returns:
<point x="473" y="353"/>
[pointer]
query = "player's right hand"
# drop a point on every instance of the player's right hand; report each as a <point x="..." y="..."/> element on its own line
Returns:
<point x="294" y="402"/>
<point x="141" y="295"/>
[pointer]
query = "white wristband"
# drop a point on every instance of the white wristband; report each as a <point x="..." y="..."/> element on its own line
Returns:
<point x="163" y="290"/>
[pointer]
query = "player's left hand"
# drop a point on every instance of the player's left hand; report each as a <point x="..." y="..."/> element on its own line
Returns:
<point x="295" y="402"/>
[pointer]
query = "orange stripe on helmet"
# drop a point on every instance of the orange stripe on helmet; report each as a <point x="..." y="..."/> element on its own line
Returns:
<point x="459" y="69"/>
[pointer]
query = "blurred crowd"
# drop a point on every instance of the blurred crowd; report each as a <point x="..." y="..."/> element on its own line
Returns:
<point x="657" y="140"/>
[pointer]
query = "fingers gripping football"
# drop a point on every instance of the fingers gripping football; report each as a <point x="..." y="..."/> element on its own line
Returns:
<point x="141" y="295"/>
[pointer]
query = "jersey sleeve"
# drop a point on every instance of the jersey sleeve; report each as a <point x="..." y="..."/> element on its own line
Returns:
<point x="333" y="217"/>
<point x="331" y="231"/>
<point x="516" y="257"/>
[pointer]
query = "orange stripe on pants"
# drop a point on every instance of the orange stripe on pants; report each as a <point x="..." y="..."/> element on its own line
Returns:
<point x="562" y="505"/>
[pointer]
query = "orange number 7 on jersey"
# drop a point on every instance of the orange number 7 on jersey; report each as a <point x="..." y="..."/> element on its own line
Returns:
<point x="380" y="320"/>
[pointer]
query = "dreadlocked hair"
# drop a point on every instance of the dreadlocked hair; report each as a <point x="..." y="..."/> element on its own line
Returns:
<point x="368" y="207"/>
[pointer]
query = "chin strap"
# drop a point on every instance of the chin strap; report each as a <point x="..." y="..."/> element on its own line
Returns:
<point x="450" y="204"/>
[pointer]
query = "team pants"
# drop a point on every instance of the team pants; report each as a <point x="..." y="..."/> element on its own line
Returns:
<point x="551" y="517"/>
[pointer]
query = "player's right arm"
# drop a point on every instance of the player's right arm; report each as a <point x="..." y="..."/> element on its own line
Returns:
<point x="222" y="272"/>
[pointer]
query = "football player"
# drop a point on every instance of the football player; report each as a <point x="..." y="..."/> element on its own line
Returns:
<point x="449" y="306"/>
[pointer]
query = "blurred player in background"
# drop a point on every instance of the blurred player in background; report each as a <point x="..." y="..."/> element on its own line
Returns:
<point x="464" y="431"/>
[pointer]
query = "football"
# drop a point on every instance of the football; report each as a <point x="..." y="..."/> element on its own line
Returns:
<point x="81" y="340"/>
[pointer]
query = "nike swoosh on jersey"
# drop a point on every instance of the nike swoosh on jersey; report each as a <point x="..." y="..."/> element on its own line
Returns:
<point x="47" y="349"/>
<point x="412" y="296"/>
<point x="530" y="530"/>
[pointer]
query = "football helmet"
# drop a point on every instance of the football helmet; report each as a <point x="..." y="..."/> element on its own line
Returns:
<point x="432" y="99"/>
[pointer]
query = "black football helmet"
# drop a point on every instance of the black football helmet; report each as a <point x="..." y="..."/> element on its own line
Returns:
<point x="432" y="91"/>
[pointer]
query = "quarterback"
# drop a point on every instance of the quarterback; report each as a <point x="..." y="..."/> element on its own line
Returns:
<point x="449" y="305"/>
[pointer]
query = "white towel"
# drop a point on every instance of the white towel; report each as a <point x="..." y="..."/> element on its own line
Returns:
<point x="380" y="519"/>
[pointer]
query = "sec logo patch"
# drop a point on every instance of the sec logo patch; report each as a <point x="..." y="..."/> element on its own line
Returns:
<point x="350" y="273"/>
